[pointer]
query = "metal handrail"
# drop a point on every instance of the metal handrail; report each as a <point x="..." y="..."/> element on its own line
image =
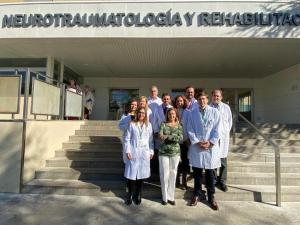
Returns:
<point x="38" y="74"/>
<point x="276" y="150"/>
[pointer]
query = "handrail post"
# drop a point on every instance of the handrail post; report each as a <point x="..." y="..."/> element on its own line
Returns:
<point x="25" y="117"/>
<point x="234" y="129"/>
<point x="278" y="177"/>
<point x="62" y="101"/>
<point x="82" y="103"/>
<point x="277" y="158"/>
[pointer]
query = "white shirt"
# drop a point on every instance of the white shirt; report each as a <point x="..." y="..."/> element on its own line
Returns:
<point x="154" y="103"/>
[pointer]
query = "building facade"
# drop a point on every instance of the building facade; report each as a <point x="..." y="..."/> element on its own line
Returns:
<point x="250" y="49"/>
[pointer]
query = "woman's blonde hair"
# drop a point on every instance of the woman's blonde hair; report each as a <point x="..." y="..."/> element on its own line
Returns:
<point x="137" y="113"/>
<point x="144" y="97"/>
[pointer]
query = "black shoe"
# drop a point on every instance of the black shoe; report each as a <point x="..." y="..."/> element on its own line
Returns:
<point x="184" y="182"/>
<point x="128" y="201"/>
<point x="194" y="200"/>
<point x="222" y="186"/>
<point x="171" y="202"/>
<point x="163" y="202"/>
<point x="137" y="201"/>
<point x="202" y="197"/>
<point x="213" y="204"/>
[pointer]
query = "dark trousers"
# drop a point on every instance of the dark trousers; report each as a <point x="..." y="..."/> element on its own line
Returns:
<point x="184" y="165"/>
<point x="86" y="114"/>
<point x="198" y="181"/>
<point x="134" y="188"/>
<point x="154" y="163"/>
<point x="222" y="178"/>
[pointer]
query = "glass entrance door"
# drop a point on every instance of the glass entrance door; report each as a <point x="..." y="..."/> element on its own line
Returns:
<point x="118" y="99"/>
<point x="240" y="99"/>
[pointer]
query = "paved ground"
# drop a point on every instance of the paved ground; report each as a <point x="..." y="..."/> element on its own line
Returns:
<point x="73" y="210"/>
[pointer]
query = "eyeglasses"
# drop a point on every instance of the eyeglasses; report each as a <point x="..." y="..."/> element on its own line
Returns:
<point x="141" y="112"/>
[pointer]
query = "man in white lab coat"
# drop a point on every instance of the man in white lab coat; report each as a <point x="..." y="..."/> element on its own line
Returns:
<point x="203" y="130"/>
<point x="225" y="127"/>
<point x="153" y="100"/>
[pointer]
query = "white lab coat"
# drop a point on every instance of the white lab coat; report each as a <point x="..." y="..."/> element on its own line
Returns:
<point x="225" y="127"/>
<point x="139" y="142"/>
<point x="158" y="118"/>
<point x="200" y="158"/>
<point x="123" y="126"/>
<point x="154" y="103"/>
<point x="89" y="101"/>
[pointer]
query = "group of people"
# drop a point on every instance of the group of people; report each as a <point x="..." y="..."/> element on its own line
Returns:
<point x="174" y="137"/>
<point x="89" y="100"/>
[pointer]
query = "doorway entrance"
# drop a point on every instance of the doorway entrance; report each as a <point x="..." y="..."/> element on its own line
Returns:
<point x="241" y="100"/>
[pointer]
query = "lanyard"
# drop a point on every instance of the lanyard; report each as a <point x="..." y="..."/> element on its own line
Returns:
<point x="140" y="129"/>
<point x="204" y="123"/>
<point x="203" y="118"/>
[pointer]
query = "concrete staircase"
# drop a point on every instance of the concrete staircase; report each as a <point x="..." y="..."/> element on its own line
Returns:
<point x="90" y="163"/>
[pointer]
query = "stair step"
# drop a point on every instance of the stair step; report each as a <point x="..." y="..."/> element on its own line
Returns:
<point x="90" y="163"/>
<point x="75" y="162"/>
<point x="102" y="122"/>
<point x="80" y="173"/>
<point x="96" y="139"/>
<point x="262" y="149"/>
<point x="98" y="132"/>
<point x="91" y="145"/>
<point x="260" y="142"/>
<point x="240" y="178"/>
<point x="272" y="125"/>
<point x="280" y="135"/>
<point x="150" y="190"/>
<point x="262" y="167"/>
<point x="263" y="157"/>
<point x="101" y="127"/>
<point x="269" y="130"/>
<point x="104" y="153"/>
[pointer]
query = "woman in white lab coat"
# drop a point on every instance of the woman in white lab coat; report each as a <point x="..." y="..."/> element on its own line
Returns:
<point x="126" y="119"/>
<point x="138" y="148"/>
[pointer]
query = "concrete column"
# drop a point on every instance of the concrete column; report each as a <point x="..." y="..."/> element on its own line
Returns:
<point x="236" y="100"/>
<point x="50" y="66"/>
<point x="62" y="97"/>
<point x="61" y="72"/>
<point x="252" y="106"/>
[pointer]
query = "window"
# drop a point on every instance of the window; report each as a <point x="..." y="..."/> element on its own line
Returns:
<point x="22" y="72"/>
<point x="118" y="99"/>
<point x="245" y="103"/>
